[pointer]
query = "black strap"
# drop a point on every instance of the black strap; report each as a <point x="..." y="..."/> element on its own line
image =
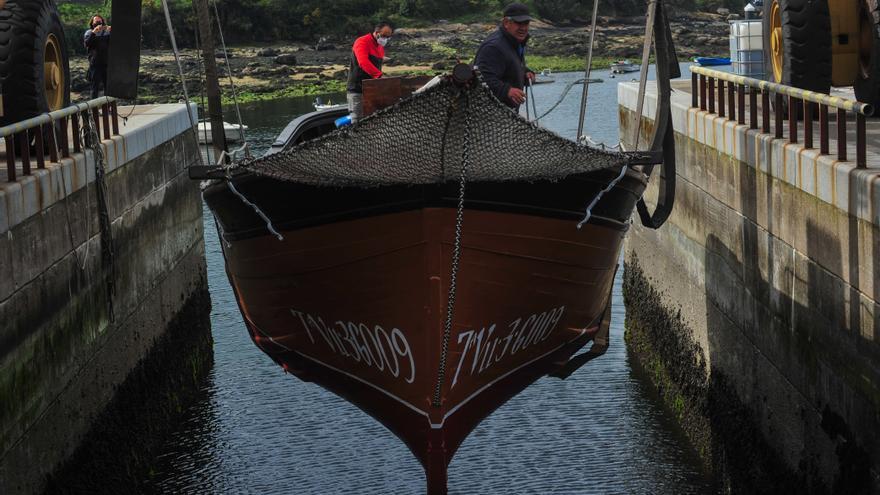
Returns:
<point x="663" y="139"/>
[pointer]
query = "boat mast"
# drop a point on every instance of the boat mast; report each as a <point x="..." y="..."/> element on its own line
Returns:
<point x="587" y="71"/>
<point x="212" y="86"/>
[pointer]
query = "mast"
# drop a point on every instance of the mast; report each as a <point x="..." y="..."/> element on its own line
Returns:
<point x="212" y="86"/>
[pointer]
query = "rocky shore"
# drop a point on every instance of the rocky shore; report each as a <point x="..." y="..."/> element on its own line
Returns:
<point x="291" y="69"/>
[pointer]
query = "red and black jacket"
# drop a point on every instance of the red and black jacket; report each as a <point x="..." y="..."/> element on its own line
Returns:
<point x="366" y="62"/>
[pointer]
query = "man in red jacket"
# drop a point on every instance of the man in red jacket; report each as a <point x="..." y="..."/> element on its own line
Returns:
<point x="367" y="55"/>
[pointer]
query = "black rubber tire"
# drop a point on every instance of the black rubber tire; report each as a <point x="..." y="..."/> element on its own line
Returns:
<point x="24" y="27"/>
<point x="867" y="83"/>
<point x="806" y="35"/>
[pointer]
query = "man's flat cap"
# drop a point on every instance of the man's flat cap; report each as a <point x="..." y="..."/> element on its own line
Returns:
<point x="517" y="12"/>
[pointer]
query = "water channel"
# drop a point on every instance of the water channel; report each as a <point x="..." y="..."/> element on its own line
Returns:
<point x="257" y="430"/>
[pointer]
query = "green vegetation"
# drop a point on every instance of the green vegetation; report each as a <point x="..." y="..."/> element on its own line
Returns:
<point x="248" y="21"/>
<point x="290" y="91"/>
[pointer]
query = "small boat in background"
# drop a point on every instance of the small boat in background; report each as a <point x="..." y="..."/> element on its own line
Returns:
<point x="232" y="131"/>
<point x="544" y="77"/>
<point x="320" y="105"/>
<point x="710" y="61"/>
<point x="624" y="66"/>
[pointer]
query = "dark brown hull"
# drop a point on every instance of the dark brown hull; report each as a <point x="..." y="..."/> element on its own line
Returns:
<point x="358" y="305"/>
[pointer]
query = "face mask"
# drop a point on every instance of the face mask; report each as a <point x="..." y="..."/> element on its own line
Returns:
<point x="382" y="40"/>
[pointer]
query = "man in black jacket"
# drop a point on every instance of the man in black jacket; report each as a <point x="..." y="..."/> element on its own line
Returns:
<point x="501" y="57"/>
<point x="97" y="41"/>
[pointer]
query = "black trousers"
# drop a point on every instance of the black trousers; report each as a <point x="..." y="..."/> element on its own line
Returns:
<point x="98" y="78"/>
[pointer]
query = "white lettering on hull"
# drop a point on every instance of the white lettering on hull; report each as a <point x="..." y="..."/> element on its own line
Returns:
<point x="356" y="341"/>
<point x="484" y="349"/>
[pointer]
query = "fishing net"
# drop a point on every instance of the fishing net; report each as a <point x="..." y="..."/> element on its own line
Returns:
<point x="424" y="139"/>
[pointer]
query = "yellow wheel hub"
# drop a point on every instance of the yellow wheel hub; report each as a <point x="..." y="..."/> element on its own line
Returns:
<point x="777" y="49"/>
<point x="53" y="73"/>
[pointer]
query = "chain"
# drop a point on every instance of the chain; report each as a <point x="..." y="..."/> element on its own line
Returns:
<point x="89" y="138"/>
<point x="456" y="253"/>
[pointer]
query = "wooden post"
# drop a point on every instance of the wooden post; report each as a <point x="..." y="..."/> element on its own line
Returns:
<point x="75" y="123"/>
<point x="53" y="145"/>
<point x="24" y="143"/>
<point x="65" y="145"/>
<point x="731" y="102"/>
<point x="212" y="87"/>
<point x="105" y="114"/>
<point x="695" y="95"/>
<point x="114" y="112"/>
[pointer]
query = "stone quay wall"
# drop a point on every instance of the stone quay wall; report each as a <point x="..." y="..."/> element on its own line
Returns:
<point x="755" y="307"/>
<point x="77" y="317"/>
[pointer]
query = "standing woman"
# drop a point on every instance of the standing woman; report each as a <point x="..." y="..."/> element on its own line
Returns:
<point x="97" y="41"/>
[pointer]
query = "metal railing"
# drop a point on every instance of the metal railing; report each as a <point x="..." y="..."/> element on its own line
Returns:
<point x="708" y="88"/>
<point x="18" y="136"/>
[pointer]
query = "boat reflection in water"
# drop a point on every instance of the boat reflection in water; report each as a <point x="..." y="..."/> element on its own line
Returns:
<point x="425" y="312"/>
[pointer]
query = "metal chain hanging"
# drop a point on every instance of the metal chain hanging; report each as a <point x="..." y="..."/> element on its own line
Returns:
<point x="456" y="255"/>
<point x="90" y="139"/>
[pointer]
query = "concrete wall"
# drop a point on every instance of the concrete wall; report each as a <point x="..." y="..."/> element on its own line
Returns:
<point x="755" y="308"/>
<point x="63" y="351"/>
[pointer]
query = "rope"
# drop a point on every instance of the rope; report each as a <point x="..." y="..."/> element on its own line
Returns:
<point x="90" y="137"/>
<point x="565" y="93"/>
<point x="456" y="256"/>
<point x="182" y="77"/>
<point x="587" y="70"/>
<point x="229" y="72"/>
<point x="257" y="209"/>
<point x="593" y="203"/>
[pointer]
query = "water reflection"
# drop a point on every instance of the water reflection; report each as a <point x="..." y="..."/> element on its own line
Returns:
<point x="261" y="431"/>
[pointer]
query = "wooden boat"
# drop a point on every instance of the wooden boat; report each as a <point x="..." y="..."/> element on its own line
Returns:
<point x="711" y="61"/>
<point x="234" y="132"/>
<point x="624" y="66"/>
<point x="427" y="322"/>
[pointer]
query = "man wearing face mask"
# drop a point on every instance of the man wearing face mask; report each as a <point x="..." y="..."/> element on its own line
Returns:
<point x="367" y="55"/>
<point x="97" y="41"/>
<point x="501" y="57"/>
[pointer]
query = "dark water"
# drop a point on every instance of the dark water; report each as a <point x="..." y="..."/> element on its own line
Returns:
<point x="261" y="431"/>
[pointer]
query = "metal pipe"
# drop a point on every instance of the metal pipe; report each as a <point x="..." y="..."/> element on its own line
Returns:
<point x="47" y="118"/>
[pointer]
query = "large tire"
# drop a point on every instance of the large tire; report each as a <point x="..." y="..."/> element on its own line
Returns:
<point x="34" y="69"/>
<point x="867" y="83"/>
<point x="799" y="54"/>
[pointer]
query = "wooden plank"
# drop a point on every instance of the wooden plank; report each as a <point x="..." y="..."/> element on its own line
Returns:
<point x="384" y="92"/>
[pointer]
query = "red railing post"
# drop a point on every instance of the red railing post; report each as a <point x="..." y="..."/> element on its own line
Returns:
<point x="721" y="95"/>
<point x="10" y="158"/>
<point x="695" y="96"/>
<point x="65" y="150"/>
<point x="24" y="143"/>
<point x="75" y="125"/>
<point x="861" y="158"/>
<point x="114" y="111"/>
<point x="808" y="124"/>
<point x="741" y="103"/>
<point x="53" y="145"/>
<point x="792" y="119"/>
<point x="711" y="95"/>
<point x="96" y="123"/>
<point x="841" y="134"/>
<point x="38" y="146"/>
<point x="703" y="93"/>
<point x="753" y="108"/>
<point x="731" y="105"/>
<point x="823" y="130"/>
<point x="777" y="112"/>
<point x="765" y="111"/>
<point x="105" y="113"/>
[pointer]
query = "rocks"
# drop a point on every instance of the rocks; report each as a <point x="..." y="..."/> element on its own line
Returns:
<point x="323" y="47"/>
<point x="268" y="52"/>
<point x="722" y="11"/>
<point x="286" y="59"/>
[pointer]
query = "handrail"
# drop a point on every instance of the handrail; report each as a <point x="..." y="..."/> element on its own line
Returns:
<point x="48" y="118"/>
<point x="38" y="135"/>
<point x="802" y="104"/>
<point x="841" y="103"/>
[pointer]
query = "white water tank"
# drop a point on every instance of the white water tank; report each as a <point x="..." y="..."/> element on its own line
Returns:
<point x="747" y="47"/>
